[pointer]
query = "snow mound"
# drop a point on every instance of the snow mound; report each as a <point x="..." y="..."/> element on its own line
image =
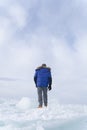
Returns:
<point x="24" y="103"/>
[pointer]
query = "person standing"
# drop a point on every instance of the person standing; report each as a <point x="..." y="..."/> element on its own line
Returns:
<point x="43" y="82"/>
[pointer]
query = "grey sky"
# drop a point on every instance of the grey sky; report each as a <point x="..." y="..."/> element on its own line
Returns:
<point x="33" y="32"/>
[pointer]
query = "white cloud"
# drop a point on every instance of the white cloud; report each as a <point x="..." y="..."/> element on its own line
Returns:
<point x="5" y="30"/>
<point x="18" y="15"/>
<point x="47" y="41"/>
<point x="63" y="58"/>
<point x="81" y="55"/>
<point x="3" y="3"/>
<point x="81" y="47"/>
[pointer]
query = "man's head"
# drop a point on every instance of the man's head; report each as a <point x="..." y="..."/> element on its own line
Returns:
<point x="43" y="65"/>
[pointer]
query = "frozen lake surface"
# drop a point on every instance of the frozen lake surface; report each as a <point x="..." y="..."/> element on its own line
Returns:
<point x="23" y="114"/>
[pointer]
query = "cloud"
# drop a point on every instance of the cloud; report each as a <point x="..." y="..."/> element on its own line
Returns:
<point x="5" y="30"/>
<point x="51" y="32"/>
<point x="18" y="15"/>
<point x="81" y="55"/>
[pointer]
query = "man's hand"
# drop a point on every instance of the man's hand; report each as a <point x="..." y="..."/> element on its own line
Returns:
<point x="49" y="87"/>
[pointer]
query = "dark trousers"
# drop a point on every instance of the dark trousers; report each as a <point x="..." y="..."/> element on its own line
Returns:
<point x="42" y="95"/>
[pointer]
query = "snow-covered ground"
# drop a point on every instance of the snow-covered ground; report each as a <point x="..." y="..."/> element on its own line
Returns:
<point x="23" y="114"/>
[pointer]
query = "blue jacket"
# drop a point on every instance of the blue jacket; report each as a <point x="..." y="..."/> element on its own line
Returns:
<point x="43" y="77"/>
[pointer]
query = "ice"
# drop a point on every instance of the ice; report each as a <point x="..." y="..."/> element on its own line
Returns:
<point x="24" y="103"/>
<point x="23" y="114"/>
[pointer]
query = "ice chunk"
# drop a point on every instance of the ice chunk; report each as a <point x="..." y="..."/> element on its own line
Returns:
<point x="24" y="103"/>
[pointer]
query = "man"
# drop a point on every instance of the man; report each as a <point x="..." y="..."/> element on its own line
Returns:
<point x="43" y="81"/>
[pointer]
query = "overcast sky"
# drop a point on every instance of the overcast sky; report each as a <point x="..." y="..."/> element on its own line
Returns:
<point x="54" y="32"/>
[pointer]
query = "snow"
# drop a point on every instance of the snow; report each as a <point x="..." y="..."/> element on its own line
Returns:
<point x="24" y="103"/>
<point x="23" y="114"/>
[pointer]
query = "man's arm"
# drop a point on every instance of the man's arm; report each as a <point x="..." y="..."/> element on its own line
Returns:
<point x="35" y="78"/>
<point x="50" y="81"/>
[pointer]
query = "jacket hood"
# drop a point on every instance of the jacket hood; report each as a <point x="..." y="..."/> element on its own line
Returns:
<point x="40" y="67"/>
